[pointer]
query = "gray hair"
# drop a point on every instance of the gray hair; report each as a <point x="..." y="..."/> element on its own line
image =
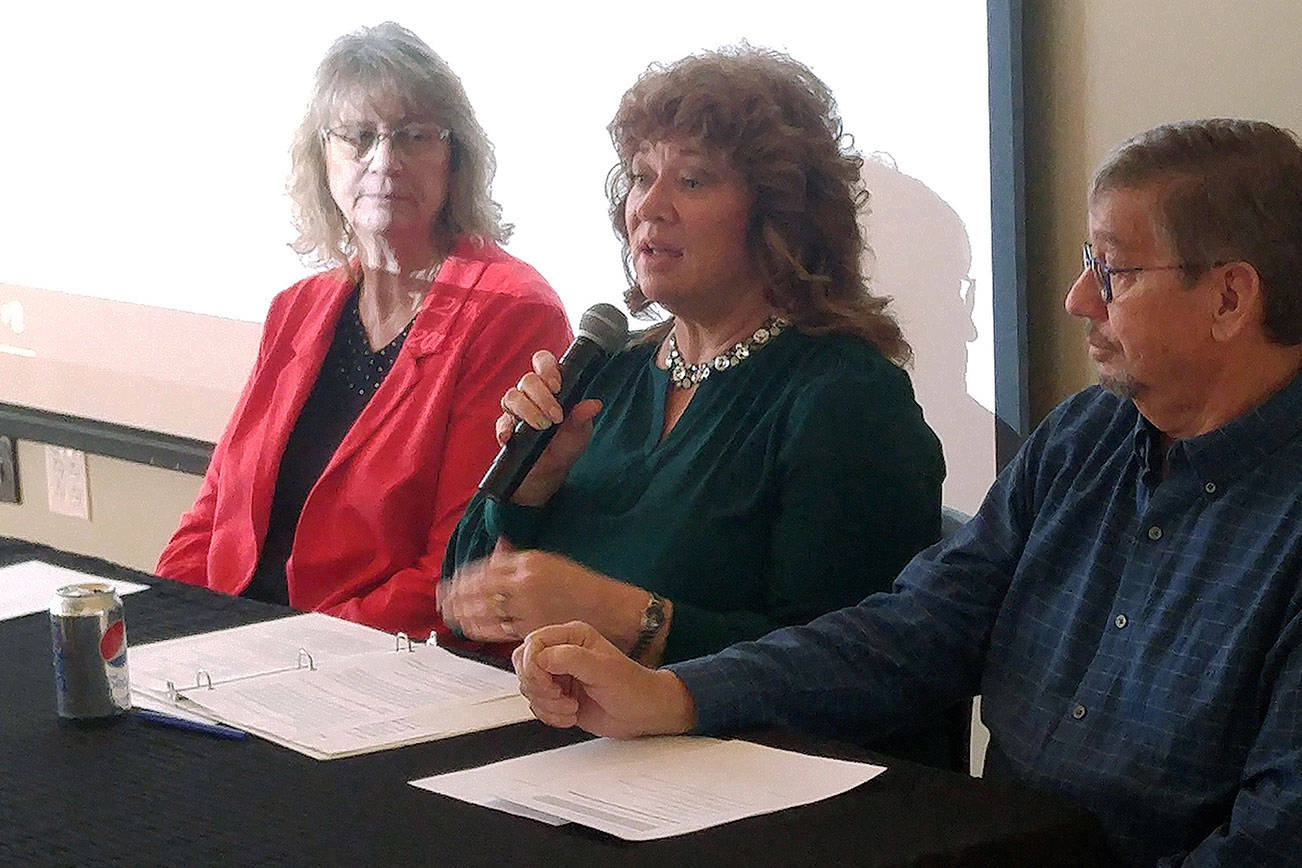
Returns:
<point x="389" y="59"/>
<point x="1229" y="189"/>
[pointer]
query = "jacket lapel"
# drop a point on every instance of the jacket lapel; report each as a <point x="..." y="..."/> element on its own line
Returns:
<point x="444" y="304"/>
<point x="313" y="334"/>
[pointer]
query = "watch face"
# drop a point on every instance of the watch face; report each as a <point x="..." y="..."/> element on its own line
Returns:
<point x="653" y="618"/>
<point x="654" y="615"/>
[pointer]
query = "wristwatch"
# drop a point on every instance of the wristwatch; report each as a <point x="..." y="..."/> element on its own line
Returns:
<point x="653" y="618"/>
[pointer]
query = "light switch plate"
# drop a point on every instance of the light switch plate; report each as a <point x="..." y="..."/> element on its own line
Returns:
<point x="9" y="491"/>
<point x="65" y="475"/>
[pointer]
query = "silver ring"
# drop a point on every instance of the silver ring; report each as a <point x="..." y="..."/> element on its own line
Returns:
<point x="499" y="607"/>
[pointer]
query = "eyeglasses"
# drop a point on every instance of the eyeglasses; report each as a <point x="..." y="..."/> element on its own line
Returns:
<point x="1103" y="272"/>
<point x="359" y="141"/>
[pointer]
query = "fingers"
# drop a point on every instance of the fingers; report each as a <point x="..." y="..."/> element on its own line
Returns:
<point x="569" y="633"/>
<point x="551" y="698"/>
<point x="503" y="427"/>
<point x="546" y="367"/>
<point x="572" y="676"/>
<point x="533" y="399"/>
<point x="595" y="667"/>
<point x="526" y="661"/>
<point x="573" y="649"/>
<point x="537" y="400"/>
<point x="530" y="401"/>
<point x="472" y="602"/>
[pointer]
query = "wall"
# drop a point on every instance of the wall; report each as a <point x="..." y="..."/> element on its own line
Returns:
<point x="133" y="508"/>
<point x="101" y="359"/>
<point x="1100" y="71"/>
<point x="142" y="366"/>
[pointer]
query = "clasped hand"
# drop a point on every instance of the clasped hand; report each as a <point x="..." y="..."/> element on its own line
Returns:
<point x="572" y="676"/>
<point x="509" y="593"/>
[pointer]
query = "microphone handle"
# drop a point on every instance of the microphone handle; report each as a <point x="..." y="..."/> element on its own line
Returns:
<point x="514" y="460"/>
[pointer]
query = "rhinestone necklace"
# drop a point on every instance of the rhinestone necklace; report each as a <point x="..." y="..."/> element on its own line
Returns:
<point x="684" y="376"/>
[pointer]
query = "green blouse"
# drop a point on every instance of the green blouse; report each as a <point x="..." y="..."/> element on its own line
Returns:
<point x="796" y="483"/>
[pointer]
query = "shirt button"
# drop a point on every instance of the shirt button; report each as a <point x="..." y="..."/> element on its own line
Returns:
<point x="1078" y="712"/>
<point x="1210" y="487"/>
<point x="1155" y="533"/>
<point x="1120" y="621"/>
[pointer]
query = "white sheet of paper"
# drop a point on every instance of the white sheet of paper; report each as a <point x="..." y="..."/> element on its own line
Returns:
<point x="654" y="787"/>
<point x="443" y="720"/>
<point x="251" y="649"/>
<point x="29" y="586"/>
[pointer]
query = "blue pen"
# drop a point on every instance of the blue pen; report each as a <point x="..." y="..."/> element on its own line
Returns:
<point x="160" y="719"/>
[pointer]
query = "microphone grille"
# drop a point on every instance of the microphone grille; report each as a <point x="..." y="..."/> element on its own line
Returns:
<point x="606" y="326"/>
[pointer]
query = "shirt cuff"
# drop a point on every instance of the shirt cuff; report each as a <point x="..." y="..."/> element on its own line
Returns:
<point x="719" y="704"/>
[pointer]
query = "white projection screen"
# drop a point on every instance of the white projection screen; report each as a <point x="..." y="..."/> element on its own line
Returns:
<point x="145" y="227"/>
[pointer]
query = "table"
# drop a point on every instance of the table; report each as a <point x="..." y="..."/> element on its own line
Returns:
<point x="128" y="793"/>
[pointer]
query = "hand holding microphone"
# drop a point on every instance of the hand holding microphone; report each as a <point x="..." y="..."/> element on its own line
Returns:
<point x="546" y="402"/>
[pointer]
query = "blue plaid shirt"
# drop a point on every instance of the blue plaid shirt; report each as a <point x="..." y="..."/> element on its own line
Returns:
<point x="1137" y="640"/>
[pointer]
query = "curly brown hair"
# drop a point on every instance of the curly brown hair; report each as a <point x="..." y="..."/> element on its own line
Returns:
<point x="777" y="124"/>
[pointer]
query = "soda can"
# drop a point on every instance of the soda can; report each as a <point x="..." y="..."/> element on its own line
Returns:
<point x="90" y="652"/>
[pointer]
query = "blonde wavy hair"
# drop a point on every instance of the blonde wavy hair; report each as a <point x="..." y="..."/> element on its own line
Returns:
<point x="777" y="124"/>
<point x="390" y="60"/>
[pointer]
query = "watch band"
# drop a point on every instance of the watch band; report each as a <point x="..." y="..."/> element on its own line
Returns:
<point x="653" y="618"/>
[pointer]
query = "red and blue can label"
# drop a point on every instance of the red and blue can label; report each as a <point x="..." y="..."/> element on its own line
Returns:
<point x="90" y="652"/>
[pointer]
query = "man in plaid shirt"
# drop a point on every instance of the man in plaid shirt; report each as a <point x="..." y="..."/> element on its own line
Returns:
<point x="1128" y="599"/>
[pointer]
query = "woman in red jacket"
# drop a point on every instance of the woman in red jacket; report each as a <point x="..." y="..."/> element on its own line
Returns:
<point x="368" y="418"/>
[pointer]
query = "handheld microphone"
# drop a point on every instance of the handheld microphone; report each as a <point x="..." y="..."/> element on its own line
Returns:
<point x="603" y="330"/>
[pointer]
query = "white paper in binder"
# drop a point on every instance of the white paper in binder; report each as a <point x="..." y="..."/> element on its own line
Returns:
<point x="325" y="687"/>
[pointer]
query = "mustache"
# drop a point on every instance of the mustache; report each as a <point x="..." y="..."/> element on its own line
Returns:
<point x="1096" y="339"/>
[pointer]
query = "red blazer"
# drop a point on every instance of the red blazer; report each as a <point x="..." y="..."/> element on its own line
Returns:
<point x="370" y="539"/>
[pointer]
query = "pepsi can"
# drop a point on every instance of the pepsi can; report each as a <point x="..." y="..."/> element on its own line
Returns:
<point x="90" y="652"/>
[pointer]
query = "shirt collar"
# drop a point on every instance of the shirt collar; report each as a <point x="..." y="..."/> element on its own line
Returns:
<point x="1232" y="449"/>
<point x="1147" y="442"/>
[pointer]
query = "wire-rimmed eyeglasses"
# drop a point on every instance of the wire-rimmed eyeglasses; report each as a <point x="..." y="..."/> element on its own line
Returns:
<point x="359" y="141"/>
<point x="1103" y="272"/>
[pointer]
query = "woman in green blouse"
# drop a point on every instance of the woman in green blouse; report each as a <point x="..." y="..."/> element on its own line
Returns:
<point x="758" y="458"/>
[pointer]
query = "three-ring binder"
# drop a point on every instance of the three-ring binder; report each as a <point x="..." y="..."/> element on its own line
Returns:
<point x="204" y="681"/>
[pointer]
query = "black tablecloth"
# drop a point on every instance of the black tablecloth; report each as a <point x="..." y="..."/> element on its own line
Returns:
<point x="129" y="793"/>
